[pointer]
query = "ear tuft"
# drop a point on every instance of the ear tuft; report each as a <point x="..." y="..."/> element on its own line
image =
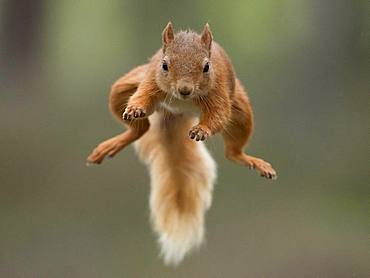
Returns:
<point x="167" y="35"/>
<point x="206" y="37"/>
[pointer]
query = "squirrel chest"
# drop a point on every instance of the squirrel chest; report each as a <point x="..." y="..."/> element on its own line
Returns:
<point x="177" y="106"/>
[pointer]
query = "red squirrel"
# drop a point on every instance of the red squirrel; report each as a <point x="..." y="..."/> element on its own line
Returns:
<point x="186" y="93"/>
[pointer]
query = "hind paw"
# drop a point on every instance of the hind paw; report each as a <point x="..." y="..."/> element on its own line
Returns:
<point x="263" y="168"/>
<point x="108" y="148"/>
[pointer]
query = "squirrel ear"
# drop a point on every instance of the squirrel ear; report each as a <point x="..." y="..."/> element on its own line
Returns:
<point x="206" y="37"/>
<point x="167" y="35"/>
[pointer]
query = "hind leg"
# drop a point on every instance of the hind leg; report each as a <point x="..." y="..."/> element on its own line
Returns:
<point x="113" y="145"/>
<point x="237" y="133"/>
<point x="119" y="95"/>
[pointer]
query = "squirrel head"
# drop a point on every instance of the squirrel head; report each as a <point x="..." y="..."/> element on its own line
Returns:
<point x="185" y="69"/>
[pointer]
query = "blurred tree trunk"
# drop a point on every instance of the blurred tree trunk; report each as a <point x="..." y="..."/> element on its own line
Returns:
<point x="21" y="31"/>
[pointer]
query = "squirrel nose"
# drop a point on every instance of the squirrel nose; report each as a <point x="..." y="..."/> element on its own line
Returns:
<point x="185" y="91"/>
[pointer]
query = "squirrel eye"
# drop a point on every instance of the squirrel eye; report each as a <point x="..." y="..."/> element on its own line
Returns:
<point x="164" y="66"/>
<point x="206" y="67"/>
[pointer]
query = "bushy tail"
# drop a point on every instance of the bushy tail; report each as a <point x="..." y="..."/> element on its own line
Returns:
<point x="182" y="175"/>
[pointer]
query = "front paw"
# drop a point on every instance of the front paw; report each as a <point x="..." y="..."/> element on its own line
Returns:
<point x="133" y="112"/>
<point x="199" y="133"/>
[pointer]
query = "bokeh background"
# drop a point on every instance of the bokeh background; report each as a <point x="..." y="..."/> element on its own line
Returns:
<point x="305" y="64"/>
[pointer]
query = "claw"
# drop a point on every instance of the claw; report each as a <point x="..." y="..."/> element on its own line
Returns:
<point x="133" y="112"/>
<point x="198" y="133"/>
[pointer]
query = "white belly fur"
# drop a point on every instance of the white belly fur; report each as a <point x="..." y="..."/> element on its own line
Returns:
<point x="177" y="106"/>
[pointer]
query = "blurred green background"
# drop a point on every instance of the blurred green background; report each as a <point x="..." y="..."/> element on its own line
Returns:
<point x="306" y="66"/>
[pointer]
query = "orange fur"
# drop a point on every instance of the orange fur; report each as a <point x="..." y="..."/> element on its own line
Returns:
<point x="182" y="176"/>
<point x="159" y="103"/>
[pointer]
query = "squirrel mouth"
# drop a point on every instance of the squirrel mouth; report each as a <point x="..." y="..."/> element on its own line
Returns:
<point x="185" y="97"/>
<point x="185" y="94"/>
